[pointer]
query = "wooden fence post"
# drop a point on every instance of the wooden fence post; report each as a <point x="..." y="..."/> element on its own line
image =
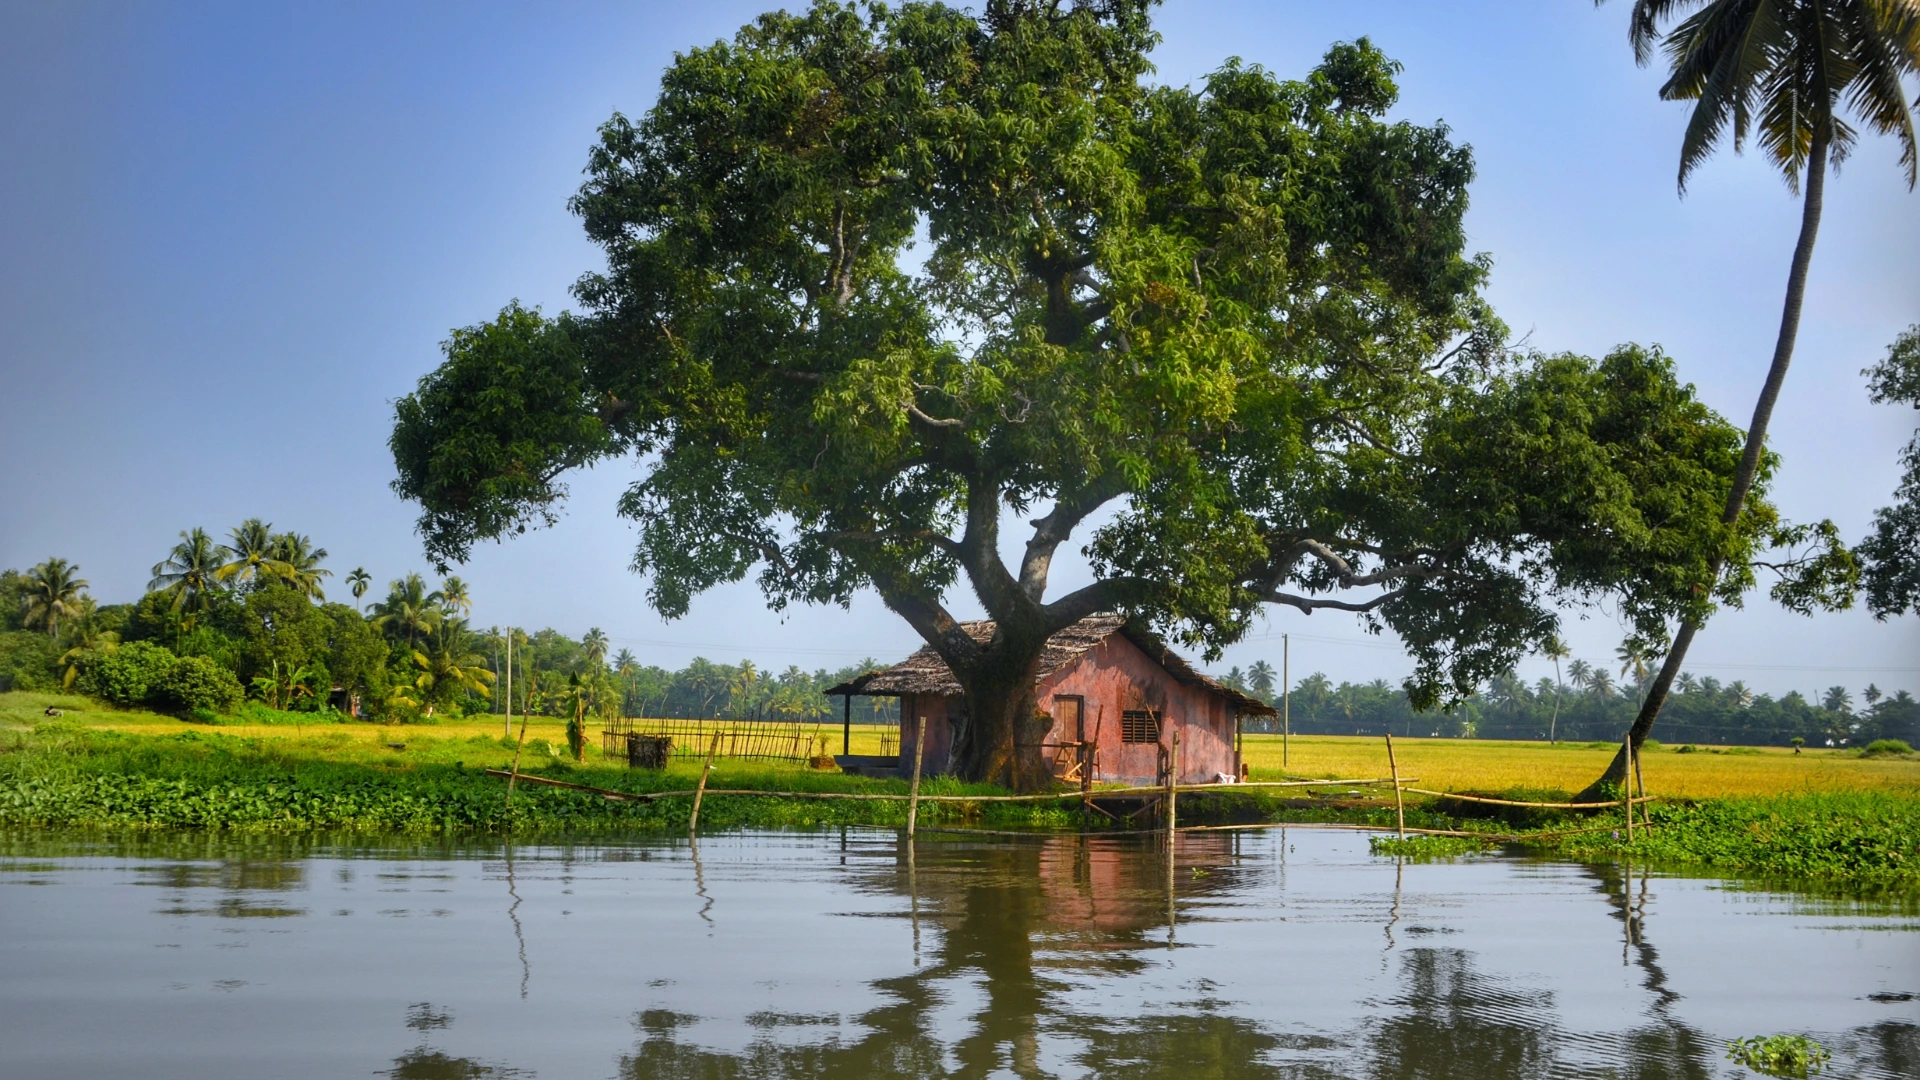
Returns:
<point x="700" y="790"/>
<point x="1399" y="805"/>
<point x="1626" y="785"/>
<point x="1173" y="787"/>
<point x="913" y="791"/>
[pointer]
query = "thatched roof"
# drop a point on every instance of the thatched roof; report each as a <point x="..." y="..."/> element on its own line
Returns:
<point x="926" y="673"/>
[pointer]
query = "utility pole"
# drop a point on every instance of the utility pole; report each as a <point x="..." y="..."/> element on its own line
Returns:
<point x="1286" y="697"/>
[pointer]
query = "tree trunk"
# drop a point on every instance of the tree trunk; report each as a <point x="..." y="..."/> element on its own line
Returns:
<point x="998" y="740"/>
<point x="1616" y="773"/>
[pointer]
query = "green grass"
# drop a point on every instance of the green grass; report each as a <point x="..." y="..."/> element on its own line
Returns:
<point x="102" y="768"/>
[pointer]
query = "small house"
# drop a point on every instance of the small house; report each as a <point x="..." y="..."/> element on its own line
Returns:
<point x="1117" y="696"/>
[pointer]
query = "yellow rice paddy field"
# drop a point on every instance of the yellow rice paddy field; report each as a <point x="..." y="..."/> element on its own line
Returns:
<point x="1483" y="765"/>
<point x="1439" y="764"/>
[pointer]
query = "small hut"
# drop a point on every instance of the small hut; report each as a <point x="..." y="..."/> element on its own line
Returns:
<point x="1117" y="696"/>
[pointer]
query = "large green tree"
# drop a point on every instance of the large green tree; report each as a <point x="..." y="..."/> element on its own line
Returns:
<point x="1786" y="73"/>
<point x="878" y="279"/>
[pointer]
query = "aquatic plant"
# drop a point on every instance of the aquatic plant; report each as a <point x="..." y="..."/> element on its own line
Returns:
<point x="1793" y="1056"/>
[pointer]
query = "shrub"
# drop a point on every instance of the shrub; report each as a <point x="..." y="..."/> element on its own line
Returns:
<point x="125" y="675"/>
<point x="195" y="685"/>
<point x="1881" y="747"/>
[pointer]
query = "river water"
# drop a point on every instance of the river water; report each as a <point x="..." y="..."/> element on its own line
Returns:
<point x="1275" y="953"/>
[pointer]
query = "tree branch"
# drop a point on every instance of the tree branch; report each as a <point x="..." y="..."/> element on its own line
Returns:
<point x="1050" y="531"/>
<point x="1311" y="604"/>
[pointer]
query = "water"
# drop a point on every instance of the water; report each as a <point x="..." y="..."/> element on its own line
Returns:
<point x="1274" y="954"/>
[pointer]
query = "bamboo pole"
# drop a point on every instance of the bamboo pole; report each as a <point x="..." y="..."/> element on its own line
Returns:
<point x="913" y="790"/>
<point x="521" y="745"/>
<point x="648" y="796"/>
<point x="700" y="792"/>
<point x="1399" y="801"/>
<point x="1510" y="802"/>
<point x="1646" y="807"/>
<point x="1626" y="803"/>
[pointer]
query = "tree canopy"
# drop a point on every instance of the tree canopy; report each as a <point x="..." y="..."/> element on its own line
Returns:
<point x="1890" y="555"/>
<point x="878" y="278"/>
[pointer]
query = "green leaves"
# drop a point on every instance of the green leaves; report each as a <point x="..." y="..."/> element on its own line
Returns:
<point x="877" y="279"/>
<point x="484" y="438"/>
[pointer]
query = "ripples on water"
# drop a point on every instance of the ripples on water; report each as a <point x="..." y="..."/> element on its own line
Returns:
<point x="1266" y="954"/>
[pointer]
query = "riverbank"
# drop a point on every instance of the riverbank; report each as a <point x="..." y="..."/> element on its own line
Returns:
<point x="82" y="770"/>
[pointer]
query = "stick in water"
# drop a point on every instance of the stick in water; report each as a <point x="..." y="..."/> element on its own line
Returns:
<point x="1626" y="799"/>
<point x="700" y="791"/>
<point x="1399" y="803"/>
<point x="913" y="791"/>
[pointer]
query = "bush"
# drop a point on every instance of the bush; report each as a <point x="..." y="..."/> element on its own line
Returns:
<point x="125" y="675"/>
<point x="195" y="685"/>
<point x="1881" y="747"/>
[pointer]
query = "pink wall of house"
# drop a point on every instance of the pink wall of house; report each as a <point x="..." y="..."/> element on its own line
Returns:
<point x="939" y="733"/>
<point x="1111" y="677"/>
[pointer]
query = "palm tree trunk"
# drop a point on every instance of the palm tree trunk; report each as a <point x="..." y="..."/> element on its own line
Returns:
<point x="1656" y="699"/>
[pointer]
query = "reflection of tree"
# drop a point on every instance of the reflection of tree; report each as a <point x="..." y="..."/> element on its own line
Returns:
<point x="423" y="1062"/>
<point x="1891" y="1046"/>
<point x="1453" y="1022"/>
<point x="1080" y="902"/>
<point x="1665" y="1048"/>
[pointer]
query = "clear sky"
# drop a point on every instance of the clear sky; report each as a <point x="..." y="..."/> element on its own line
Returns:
<point x="232" y="235"/>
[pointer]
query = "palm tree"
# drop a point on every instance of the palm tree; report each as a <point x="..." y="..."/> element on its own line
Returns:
<point x="53" y="592"/>
<point x="1633" y="659"/>
<point x="87" y="638"/>
<point x="188" y="573"/>
<point x="745" y="689"/>
<point x="455" y="598"/>
<point x="1260" y="679"/>
<point x="1555" y="650"/>
<point x="250" y="554"/>
<point x="449" y="663"/>
<point x="300" y="562"/>
<point x="1788" y="65"/>
<point x="627" y="666"/>
<point x="595" y="646"/>
<point x="408" y="610"/>
<point x="1741" y="696"/>
<point x="358" y="582"/>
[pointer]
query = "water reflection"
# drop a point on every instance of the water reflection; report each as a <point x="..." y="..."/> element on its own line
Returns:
<point x="424" y="1062"/>
<point x="963" y="956"/>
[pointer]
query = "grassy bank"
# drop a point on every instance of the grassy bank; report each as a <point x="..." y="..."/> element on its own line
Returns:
<point x="1819" y="814"/>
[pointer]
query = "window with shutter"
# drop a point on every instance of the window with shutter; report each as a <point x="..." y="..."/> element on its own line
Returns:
<point x="1139" y="726"/>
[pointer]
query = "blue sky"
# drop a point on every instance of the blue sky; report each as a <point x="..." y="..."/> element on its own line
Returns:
<point x="231" y="235"/>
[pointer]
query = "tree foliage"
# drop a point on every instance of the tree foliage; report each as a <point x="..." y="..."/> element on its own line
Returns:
<point x="877" y="277"/>
<point x="1891" y="552"/>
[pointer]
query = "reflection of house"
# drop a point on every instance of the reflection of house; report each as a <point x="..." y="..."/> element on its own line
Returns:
<point x="1116" y="693"/>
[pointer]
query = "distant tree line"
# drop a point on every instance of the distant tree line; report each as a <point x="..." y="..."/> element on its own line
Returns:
<point x="247" y="619"/>
<point x="1591" y="706"/>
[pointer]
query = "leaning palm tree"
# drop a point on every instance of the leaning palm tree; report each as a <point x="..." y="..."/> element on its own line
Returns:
<point x="251" y="555"/>
<point x="358" y="582"/>
<point x="188" y="572"/>
<point x="1783" y="72"/>
<point x="53" y="592"/>
<point x="300" y="562"/>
